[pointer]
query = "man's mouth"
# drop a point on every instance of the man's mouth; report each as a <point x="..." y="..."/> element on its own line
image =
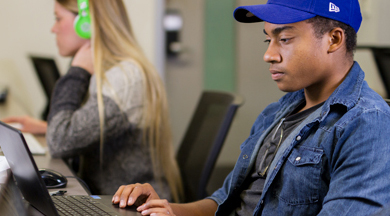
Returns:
<point x="276" y="75"/>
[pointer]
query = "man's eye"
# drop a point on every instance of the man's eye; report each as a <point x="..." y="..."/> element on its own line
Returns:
<point x="267" y="41"/>
<point x="285" y="39"/>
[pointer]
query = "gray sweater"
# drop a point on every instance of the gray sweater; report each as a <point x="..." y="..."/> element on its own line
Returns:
<point x="73" y="128"/>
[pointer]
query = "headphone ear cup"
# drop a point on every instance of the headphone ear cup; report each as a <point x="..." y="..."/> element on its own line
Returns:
<point x="82" y="26"/>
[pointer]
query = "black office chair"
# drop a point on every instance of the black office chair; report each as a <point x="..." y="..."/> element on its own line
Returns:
<point x="203" y="140"/>
<point x="382" y="60"/>
<point x="387" y="101"/>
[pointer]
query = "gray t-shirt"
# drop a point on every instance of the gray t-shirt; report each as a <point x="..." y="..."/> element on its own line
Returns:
<point x="253" y="185"/>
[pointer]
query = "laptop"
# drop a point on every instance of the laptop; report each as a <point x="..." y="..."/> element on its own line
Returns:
<point x="32" y="187"/>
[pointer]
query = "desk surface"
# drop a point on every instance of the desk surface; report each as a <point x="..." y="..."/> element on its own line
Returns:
<point x="45" y="161"/>
<point x="73" y="187"/>
<point x="11" y="107"/>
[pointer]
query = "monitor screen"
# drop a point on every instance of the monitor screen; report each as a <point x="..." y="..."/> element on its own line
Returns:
<point x="47" y="71"/>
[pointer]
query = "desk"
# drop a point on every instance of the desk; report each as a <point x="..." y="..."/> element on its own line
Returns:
<point x="45" y="161"/>
<point x="10" y="107"/>
<point x="73" y="187"/>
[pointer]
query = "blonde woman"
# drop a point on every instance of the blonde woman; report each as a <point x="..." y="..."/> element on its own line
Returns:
<point x="110" y="108"/>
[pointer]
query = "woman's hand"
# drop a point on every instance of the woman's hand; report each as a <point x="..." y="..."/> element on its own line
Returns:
<point x="143" y="196"/>
<point x="83" y="58"/>
<point x="27" y="124"/>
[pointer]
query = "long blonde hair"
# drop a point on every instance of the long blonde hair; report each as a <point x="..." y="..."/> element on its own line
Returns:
<point x="112" y="42"/>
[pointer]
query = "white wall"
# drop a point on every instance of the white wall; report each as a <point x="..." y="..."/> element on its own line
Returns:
<point x="375" y="29"/>
<point x="25" y="29"/>
<point x="146" y="19"/>
<point x="184" y="75"/>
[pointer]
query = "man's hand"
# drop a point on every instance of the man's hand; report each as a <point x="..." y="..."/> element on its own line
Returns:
<point x="143" y="196"/>
<point x="83" y="58"/>
<point x="156" y="207"/>
<point x="149" y="203"/>
<point x="27" y="124"/>
<point x="134" y="194"/>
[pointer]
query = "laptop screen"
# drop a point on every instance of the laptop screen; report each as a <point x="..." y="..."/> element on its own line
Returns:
<point x="25" y="170"/>
<point x="47" y="72"/>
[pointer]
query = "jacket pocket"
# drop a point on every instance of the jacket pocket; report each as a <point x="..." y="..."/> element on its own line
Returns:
<point x="300" y="176"/>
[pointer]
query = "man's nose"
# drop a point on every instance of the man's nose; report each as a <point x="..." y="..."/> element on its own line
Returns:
<point x="272" y="54"/>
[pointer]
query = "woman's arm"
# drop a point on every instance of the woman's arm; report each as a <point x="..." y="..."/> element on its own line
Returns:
<point x="74" y="126"/>
<point x="27" y="124"/>
<point x="67" y="118"/>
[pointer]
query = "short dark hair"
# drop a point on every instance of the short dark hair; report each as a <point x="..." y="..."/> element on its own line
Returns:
<point x="322" y="25"/>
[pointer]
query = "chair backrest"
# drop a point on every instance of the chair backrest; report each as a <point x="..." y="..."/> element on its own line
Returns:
<point x="382" y="60"/>
<point x="203" y="140"/>
<point x="387" y="101"/>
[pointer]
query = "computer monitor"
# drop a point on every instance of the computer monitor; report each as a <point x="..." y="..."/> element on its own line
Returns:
<point x="48" y="74"/>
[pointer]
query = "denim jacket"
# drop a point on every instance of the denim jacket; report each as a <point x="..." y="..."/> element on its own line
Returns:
<point x="336" y="163"/>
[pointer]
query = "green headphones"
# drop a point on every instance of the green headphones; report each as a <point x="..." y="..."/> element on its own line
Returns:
<point x="82" y="23"/>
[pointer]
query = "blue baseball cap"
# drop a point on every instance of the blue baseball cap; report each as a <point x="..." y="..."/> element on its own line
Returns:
<point x="291" y="11"/>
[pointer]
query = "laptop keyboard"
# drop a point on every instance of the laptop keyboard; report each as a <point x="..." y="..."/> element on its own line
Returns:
<point x="80" y="205"/>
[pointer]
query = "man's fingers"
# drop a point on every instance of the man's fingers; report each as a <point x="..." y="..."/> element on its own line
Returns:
<point x="141" y="194"/>
<point x="156" y="207"/>
<point x="155" y="204"/>
<point x="157" y="212"/>
<point x="134" y="194"/>
<point x="117" y="195"/>
<point x="122" y="195"/>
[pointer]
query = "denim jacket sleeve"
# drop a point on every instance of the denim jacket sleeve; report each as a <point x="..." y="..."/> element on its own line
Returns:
<point x="359" y="177"/>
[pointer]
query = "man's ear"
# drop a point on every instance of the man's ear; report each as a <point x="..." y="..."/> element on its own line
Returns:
<point x="336" y="39"/>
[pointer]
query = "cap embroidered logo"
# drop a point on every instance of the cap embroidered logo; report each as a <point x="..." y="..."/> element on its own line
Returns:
<point x="333" y="8"/>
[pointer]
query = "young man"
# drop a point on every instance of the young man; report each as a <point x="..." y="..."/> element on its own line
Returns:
<point x="322" y="149"/>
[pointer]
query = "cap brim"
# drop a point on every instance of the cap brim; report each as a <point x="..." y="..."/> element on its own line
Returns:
<point x="271" y="13"/>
